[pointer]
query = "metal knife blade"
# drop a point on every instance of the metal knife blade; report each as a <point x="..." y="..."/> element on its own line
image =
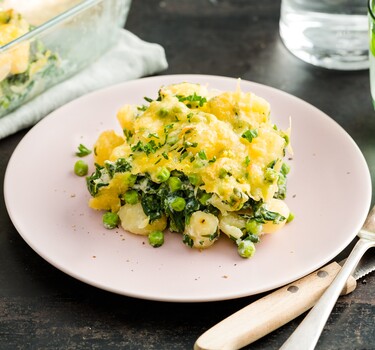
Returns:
<point x="279" y="307"/>
<point x="365" y="266"/>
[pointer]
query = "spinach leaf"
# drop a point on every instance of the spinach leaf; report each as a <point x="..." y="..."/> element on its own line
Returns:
<point x="98" y="179"/>
<point x="152" y="207"/>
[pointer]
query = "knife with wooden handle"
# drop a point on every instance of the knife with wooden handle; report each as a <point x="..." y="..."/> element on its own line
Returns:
<point x="278" y="308"/>
<point x="307" y="334"/>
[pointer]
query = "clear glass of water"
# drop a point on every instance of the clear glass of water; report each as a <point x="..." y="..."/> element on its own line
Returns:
<point x="326" y="33"/>
<point x="371" y="22"/>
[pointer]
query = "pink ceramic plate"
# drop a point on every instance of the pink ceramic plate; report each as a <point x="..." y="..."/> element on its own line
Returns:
<point x="329" y="190"/>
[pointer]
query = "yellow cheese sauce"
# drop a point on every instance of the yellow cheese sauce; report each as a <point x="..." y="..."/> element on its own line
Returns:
<point x="221" y="146"/>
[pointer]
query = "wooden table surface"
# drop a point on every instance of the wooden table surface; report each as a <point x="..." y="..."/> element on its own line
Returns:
<point x="43" y="308"/>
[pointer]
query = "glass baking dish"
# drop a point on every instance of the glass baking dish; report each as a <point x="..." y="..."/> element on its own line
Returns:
<point x="58" y="45"/>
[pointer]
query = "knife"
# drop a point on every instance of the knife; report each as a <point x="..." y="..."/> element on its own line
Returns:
<point x="278" y="308"/>
<point x="307" y="334"/>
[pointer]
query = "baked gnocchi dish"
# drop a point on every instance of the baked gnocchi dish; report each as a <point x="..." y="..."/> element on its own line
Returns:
<point x="197" y="162"/>
<point x="26" y="67"/>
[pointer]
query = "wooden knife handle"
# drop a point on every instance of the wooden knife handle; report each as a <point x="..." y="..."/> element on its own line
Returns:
<point x="271" y="312"/>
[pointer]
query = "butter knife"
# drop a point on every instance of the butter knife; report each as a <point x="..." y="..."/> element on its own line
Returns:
<point x="278" y="308"/>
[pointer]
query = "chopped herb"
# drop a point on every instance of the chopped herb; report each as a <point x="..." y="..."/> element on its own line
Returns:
<point x="262" y="214"/>
<point x="189" y="116"/>
<point x="271" y="164"/>
<point x="142" y="108"/>
<point x="148" y="148"/>
<point x="183" y="156"/>
<point x="188" y="240"/>
<point x="286" y="138"/>
<point x="152" y="134"/>
<point x="247" y="161"/>
<point x="202" y="154"/>
<point x="83" y="151"/>
<point x="188" y="144"/>
<point x="121" y="165"/>
<point x="223" y="173"/>
<point x="199" y="100"/>
<point x="212" y="236"/>
<point x="167" y="128"/>
<point x="128" y="134"/>
<point x="249" y="135"/>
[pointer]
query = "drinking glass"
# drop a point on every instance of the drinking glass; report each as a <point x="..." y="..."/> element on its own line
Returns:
<point x="371" y="23"/>
<point x="326" y="33"/>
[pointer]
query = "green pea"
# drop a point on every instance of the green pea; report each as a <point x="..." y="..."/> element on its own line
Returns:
<point x="110" y="220"/>
<point x="285" y="168"/>
<point x="246" y="248"/>
<point x="270" y="175"/>
<point x="162" y="175"/>
<point x="81" y="168"/>
<point x="290" y="217"/>
<point x="156" y="238"/>
<point x="174" y="183"/>
<point x="204" y="198"/>
<point x="281" y="179"/>
<point x="130" y="179"/>
<point x="131" y="197"/>
<point x="178" y="204"/>
<point x="195" y="179"/>
<point x="253" y="227"/>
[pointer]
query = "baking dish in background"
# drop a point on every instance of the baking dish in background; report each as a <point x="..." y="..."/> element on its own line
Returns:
<point x="63" y="39"/>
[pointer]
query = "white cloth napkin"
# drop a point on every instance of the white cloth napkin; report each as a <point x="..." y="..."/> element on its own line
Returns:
<point x="130" y="58"/>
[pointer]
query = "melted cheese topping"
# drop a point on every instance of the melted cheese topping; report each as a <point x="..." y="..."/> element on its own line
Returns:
<point x="15" y="61"/>
<point x="226" y="140"/>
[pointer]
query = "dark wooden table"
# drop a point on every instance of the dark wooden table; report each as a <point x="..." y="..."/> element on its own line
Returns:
<point x="42" y="308"/>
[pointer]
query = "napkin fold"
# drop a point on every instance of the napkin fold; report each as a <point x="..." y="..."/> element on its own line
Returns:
<point x="129" y="59"/>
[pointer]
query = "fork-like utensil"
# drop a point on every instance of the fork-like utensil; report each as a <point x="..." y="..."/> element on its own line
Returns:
<point x="308" y="332"/>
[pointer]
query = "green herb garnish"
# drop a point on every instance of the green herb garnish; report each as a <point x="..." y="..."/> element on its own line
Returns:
<point x="83" y="151"/>
<point x="249" y="135"/>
